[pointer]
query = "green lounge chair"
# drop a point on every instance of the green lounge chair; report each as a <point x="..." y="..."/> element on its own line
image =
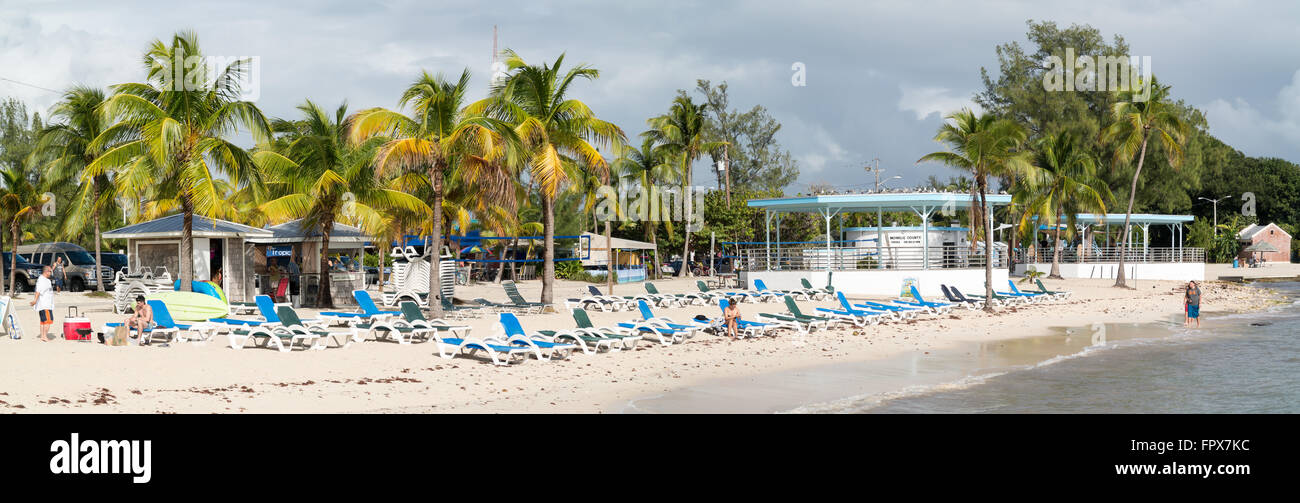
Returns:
<point x="1058" y="294"/>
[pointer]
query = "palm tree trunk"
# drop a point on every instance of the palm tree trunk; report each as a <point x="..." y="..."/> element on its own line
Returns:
<point x="988" y="242"/>
<point x="98" y="259"/>
<point x="1056" y="254"/>
<point x="13" y="259"/>
<point x="686" y="218"/>
<point x="187" y="245"/>
<point x="326" y="296"/>
<point x="514" y="266"/>
<point x="548" y="249"/>
<point x="1132" y="194"/>
<point x="433" y="243"/>
<point x="501" y="266"/>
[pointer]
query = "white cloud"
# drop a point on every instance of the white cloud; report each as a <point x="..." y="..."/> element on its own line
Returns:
<point x="1239" y="123"/>
<point x="54" y="59"/>
<point x="926" y="101"/>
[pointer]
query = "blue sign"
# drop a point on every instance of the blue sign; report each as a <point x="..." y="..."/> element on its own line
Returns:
<point x="279" y="251"/>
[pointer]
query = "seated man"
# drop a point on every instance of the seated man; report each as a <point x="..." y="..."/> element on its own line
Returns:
<point x="142" y="318"/>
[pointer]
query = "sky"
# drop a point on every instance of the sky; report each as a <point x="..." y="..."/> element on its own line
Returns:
<point x="878" y="76"/>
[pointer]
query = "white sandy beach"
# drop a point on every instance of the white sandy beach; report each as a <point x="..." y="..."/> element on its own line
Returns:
<point x="67" y="376"/>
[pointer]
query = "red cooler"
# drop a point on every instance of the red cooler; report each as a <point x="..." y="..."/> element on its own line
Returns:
<point x="76" y="328"/>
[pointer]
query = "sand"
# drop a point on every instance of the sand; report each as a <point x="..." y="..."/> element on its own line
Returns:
<point x="68" y="376"/>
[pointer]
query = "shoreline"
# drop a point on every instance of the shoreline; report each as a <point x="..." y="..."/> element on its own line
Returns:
<point x="383" y="377"/>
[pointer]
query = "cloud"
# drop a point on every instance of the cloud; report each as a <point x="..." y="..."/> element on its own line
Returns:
<point x="1243" y="125"/>
<point x="927" y="101"/>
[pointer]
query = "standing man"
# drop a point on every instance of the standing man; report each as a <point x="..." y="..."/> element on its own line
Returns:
<point x="44" y="301"/>
<point x="1192" y="299"/>
<point x="60" y="276"/>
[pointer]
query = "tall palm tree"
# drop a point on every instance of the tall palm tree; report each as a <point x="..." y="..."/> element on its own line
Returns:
<point x="19" y="202"/>
<point x="171" y="131"/>
<point x="984" y="146"/>
<point x="1133" y="124"/>
<point x="1064" y="182"/>
<point x="682" y="130"/>
<point x="648" y="167"/>
<point x="64" y="151"/>
<point x="329" y="180"/>
<point x="557" y="132"/>
<point x="439" y="139"/>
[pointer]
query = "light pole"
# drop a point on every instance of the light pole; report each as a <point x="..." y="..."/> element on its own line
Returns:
<point x="1216" y="211"/>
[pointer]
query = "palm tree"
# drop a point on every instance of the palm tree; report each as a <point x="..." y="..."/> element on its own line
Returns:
<point x="985" y="146"/>
<point x="1064" y="182"/>
<point x="439" y="139"/>
<point x="1134" y="122"/>
<point x="557" y="132"/>
<point x="682" y="131"/>
<point x="170" y="136"/>
<point x="64" y="150"/>
<point x="648" y="167"/>
<point x="19" y="203"/>
<point x="330" y="179"/>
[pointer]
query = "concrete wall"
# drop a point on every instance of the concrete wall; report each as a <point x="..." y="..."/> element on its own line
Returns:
<point x="886" y="283"/>
<point x="1176" y="271"/>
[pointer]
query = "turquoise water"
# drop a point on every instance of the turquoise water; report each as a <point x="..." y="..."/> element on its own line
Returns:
<point x="1235" y="363"/>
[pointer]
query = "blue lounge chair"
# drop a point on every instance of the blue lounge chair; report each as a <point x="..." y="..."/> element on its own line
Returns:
<point x="756" y="328"/>
<point x="368" y="313"/>
<point x="165" y="326"/>
<point x="762" y="289"/>
<point x="900" y="312"/>
<point x="648" y="316"/>
<point x="1033" y="296"/>
<point x="266" y="307"/>
<point x="741" y="295"/>
<point x="859" y="317"/>
<point x="516" y="336"/>
<point x="935" y="307"/>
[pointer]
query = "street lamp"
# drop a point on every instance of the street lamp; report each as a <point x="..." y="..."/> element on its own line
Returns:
<point x="1216" y="211"/>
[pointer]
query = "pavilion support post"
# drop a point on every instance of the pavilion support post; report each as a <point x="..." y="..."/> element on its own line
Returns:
<point x="779" y="261"/>
<point x="880" y="259"/>
<point x="827" y="214"/>
<point x="767" y="254"/>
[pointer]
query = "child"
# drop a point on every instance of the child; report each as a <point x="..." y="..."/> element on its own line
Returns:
<point x="1192" y="301"/>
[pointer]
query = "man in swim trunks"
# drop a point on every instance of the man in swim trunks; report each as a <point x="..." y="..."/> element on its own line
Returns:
<point x="44" y="301"/>
<point x="1192" y="301"/>
<point x="142" y="319"/>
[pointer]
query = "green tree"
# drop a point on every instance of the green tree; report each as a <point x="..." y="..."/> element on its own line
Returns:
<point x="985" y="146"/>
<point x="64" y="150"/>
<point x="1134" y="123"/>
<point x="1064" y="183"/>
<point x="438" y="140"/>
<point x="169" y="137"/>
<point x="681" y="131"/>
<point x="755" y="160"/>
<point x="558" y="133"/>
<point x="19" y="202"/>
<point x="329" y="179"/>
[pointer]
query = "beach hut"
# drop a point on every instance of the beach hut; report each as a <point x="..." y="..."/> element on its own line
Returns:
<point x="217" y="244"/>
<point x="1279" y="241"/>
<point x="291" y="241"/>
<point x="627" y="256"/>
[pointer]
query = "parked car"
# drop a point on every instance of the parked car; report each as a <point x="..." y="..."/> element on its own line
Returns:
<point x="115" y="260"/>
<point x="78" y="264"/>
<point x="27" y="273"/>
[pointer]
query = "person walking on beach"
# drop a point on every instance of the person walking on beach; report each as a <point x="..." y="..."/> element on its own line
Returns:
<point x="730" y="315"/>
<point x="44" y="301"/>
<point x="1192" y="302"/>
<point x="60" y="276"/>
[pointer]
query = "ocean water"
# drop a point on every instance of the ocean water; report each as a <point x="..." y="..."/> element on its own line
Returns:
<point x="1235" y="363"/>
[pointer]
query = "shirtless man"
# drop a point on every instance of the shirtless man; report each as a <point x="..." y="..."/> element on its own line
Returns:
<point x="142" y="319"/>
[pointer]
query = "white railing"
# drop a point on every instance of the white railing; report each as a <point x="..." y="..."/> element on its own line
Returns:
<point x="1103" y="254"/>
<point x="811" y="258"/>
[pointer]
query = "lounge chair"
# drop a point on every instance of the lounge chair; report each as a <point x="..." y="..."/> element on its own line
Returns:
<point x="901" y="312"/>
<point x="1012" y="298"/>
<point x="630" y="300"/>
<point x="518" y="301"/>
<point x="596" y="300"/>
<point x="501" y="352"/>
<point x="1059" y="294"/>
<point x="267" y="308"/>
<point x="667" y="336"/>
<point x="449" y="308"/>
<point x="1033" y="296"/>
<point x="648" y="316"/>
<point x="739" y="295"/>
<point x="628" y="341"/>
<point x="368" y="312"/>
<point x="681" y="298"/>
<point x="859" y="317"/>
<point x="793" y="310"/>
<point x="815" y="293"/>
<point x="761" y="287"/>
<point x="166" y="327"/>
<point x="516" y="336"/>
<point x="294" y="326"/>
<point x="997" y="300"/>
<point x="935" y="307"/>
<point x="971" y="304"/>
<point x="884" y="314"/>
<point x="412" y="314"/>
